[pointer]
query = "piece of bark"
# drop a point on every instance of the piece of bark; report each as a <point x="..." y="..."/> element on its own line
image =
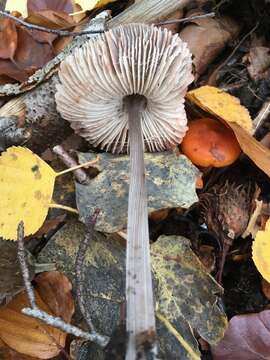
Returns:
<point x="207" y="37"/>
<point x="10" y="134"/>
<point x="148" y="11"/>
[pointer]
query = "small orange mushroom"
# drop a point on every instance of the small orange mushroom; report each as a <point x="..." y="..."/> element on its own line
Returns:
<point x="209" y="142"/>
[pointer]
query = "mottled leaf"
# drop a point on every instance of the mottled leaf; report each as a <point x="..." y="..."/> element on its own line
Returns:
<point x="185" y="289"/>
<point x="104" y="288"/>
<point x="170" y="181"/>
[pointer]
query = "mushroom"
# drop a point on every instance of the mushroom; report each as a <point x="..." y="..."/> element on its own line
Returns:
<point x="209" y="142"/>
<point x="124" y="91"/>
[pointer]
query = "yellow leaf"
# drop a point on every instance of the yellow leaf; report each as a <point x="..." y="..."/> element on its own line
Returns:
<point x="261" y="251"/>
<point x="93" y="4"/>
<point x="222" y="105"/>
<point x="17" y="5"/>
<point x="26" y="183"/>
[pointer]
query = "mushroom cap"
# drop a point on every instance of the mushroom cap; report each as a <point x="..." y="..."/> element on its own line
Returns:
<point x="209" y="142"/>
<point x="127" y="60"/>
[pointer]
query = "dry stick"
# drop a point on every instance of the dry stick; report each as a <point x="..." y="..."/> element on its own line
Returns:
<point x="90" y="224"/>
<point x="80" y="174"/>
<point x="213" y="75"/>
<point x="262" y="116"/>
<point x="86" y="32"/>
<point x="212" y="14"/>
<point x="44" y="29"/>
<point x="23" y="265"/>
<point x="139" y="291"/>
<point x="36" y="313"/>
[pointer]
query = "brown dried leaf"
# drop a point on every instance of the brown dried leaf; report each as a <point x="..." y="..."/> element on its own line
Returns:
<point x="51" y="19"/>
<point x="258" y="153"/>
<point x="247" y="338"/>
<point x="207" y="37"/>
<point x="55" y="290"/>
<point x="30" y="55"/>
<point x="8" y="38"/>
<point x="6" y="353"/>
<point x="27" y="335"/>
<point x="59" y="5"/>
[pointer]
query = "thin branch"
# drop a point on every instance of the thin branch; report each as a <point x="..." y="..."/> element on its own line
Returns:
<point x="23" y="265"/>
<point x="36" y="313"/>
<point x="225" y="62"/>
<point x="44" y="29"/>
<point x="209" y="15"/>
<point x="80" y="174"/>
<point x="90" y="224"/>
<point x="62" y="325"/>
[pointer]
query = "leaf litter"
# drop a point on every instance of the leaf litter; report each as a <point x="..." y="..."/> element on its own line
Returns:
<point x="235" y="59"/>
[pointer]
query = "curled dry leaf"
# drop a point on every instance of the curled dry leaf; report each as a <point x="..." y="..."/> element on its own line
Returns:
<point x="257" y="152"/>
<point x="261" y="251"/>
<point x="29" y="336"/>
<point x="207" y="37"/>
<point x="8" y="38"/>
<point x="51" y="19"/>
<point x="247" y="338"/>
<point x="59" y="5"/>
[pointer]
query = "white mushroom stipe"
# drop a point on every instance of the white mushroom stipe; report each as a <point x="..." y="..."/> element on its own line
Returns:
<point x="130" y="59"/>
<point x="126" y="88"/>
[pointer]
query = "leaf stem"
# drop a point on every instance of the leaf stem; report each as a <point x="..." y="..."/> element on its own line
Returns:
<point x="63" y="207"/>
<point x="88" y="163"/>
<point x="178" y="336"/>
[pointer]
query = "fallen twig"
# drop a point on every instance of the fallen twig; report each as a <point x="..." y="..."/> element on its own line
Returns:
<point x="262" y="116"/>
<point x="44" y="29"/>
<point x="212" y="14"/>
<point x="80" y="174"/>
<point x="36" y="313"/>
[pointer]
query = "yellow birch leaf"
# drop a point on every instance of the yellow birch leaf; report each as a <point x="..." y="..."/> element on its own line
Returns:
<point x="261" y="252"/>
<point x="92" y="4"/>
<point x="222" y="105"/>
<point x="26" y="183"/>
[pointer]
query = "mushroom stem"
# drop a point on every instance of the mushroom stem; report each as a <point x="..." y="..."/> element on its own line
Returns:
<point x="139" y="291"/>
